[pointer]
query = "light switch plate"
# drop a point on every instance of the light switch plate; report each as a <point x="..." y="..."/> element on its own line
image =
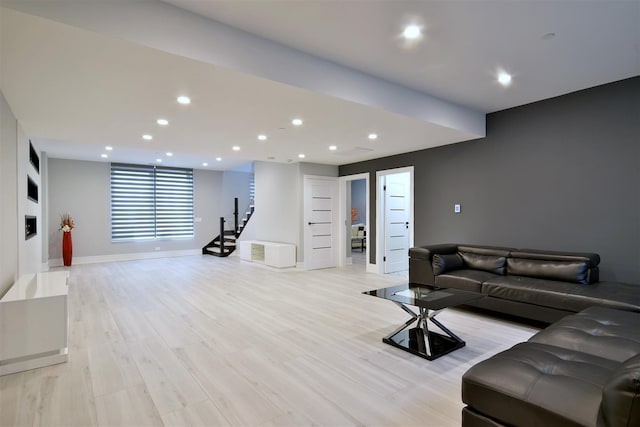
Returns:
<point x="456" y="208"/>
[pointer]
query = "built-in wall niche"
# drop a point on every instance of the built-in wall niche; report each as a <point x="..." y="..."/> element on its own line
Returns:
<point x="34" y="158"/>
<point x="32" y="189"/>
<point x="30" y="227"/>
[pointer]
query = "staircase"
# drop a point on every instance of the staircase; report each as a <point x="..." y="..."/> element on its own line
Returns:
<point x="225" y="243"/>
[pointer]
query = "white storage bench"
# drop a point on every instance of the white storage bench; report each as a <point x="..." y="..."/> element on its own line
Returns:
<point x="280" y="255"/>
<point x="34" y="322"/>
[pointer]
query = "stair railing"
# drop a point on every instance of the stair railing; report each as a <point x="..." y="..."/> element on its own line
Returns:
<point x="222" y="221"/>
<point x="235" y="216"/>
<point x="249" y="210"/>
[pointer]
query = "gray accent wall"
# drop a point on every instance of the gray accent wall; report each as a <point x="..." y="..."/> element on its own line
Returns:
<point x="560" y="174"/>
<point x="83" y="189"/>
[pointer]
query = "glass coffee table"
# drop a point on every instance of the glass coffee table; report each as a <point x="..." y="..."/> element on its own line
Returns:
<point x="430" y="302"/>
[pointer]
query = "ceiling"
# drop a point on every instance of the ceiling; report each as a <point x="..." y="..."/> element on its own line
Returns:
<point x="75" y="90"/>
<point x="465" y="42"/>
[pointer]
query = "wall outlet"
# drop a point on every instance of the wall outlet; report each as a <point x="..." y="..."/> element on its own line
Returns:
<point x="456" y="208"/>
<point x="157" y="248"/>
<point x="197" y="219"/>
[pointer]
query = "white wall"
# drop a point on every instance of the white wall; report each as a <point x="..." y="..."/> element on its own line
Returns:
<point x="8" y="197"/>
<point x="278" y="203"/>
<point x="29" y="251"/>
<point x="235" y="184"/>
<point x="83" y="189"/>
<point x="279" y="215"/>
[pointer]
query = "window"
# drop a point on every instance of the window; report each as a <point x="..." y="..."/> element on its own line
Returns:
<point x="151" y="202"/>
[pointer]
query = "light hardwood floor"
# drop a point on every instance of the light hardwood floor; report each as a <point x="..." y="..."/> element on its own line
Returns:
<point x="218" y="341"/>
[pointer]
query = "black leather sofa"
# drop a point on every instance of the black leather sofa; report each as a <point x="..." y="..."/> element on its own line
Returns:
<point x="583" y="370"/>
<point x="535" y="284"/>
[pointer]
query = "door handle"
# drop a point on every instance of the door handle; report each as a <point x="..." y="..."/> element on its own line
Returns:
<point x="312" y="223"/>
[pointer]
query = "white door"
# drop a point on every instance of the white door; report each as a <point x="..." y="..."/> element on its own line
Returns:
<point x="320" y="222"/>
<point x="397" y="214"/>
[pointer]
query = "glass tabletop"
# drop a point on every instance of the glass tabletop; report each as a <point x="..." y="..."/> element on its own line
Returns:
<point x="425" y="296"/>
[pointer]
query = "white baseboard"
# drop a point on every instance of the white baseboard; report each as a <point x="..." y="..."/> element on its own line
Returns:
<point x="372" y="268"/>
<point x="44" y="266"/>
<point x="126" y="257"/>
<point x="27" y="363"/>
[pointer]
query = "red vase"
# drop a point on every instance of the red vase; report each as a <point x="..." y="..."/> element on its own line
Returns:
<point x="67" y="248"/>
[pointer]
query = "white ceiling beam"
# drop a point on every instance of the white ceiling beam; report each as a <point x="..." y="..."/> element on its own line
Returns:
<point x="168" y="28"/>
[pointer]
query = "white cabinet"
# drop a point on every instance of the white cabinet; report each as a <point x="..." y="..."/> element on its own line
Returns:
<point x="34" y="322"/>
<point x="280" y="255"/>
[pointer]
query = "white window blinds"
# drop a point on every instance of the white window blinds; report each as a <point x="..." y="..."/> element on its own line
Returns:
<point x="151" y="202"/>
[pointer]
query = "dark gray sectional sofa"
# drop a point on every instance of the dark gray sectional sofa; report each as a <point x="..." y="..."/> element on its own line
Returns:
<point x="534" y="284"/>
<point x="583" y="370"/>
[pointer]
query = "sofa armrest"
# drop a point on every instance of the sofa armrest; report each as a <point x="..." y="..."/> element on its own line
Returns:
<point x="621" y="395"/>
<point x="420" y="268"/>
<point x="421" y="272"/>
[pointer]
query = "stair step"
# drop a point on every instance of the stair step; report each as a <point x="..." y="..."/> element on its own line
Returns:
<point x="216" y="249"/>
<point x="226" y="244"/>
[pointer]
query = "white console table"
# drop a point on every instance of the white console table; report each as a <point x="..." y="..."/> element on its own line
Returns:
<point x="34" y="322"/>
<point x="280" y="255"/>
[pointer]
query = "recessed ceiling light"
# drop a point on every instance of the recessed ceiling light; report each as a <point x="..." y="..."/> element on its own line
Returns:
<point x="169" y="154"/>
<point x="104" y="156"/>
<point x="504" y="78"/>
<point x="159" y="160"/>
<point x="147" y="137"/>
<point x="412" y="32"/>
<point x="333" y="148"/>
<point x="262" y="137"/>
<point x="218" y="159"/>
<point x="235" y="148"/>
<point x="301" y="156"/>
<point x="184" y="100"/>
<point x="373" y="136"/>
<point x="296" y="122"/>
<point x="108" y="148"/>
<point x="162" y="122"/>
<point x="548" y="36"/>
<point x="205" y="164"/>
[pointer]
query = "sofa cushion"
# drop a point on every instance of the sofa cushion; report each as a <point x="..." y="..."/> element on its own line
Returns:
<point x="603" y="332"/>
<point x="466" y="280"/>
<point x="529" y="290"/>
<point x="591" y="259"/>
<point x="444" y="263"/>
<point x="491" y="263"/>
<point x="485" y="250"/>
<point x="563" y="295"/>
<point x="576" y="272"/>
<point x="537" y="384"/>
<point x="621" y="395"/>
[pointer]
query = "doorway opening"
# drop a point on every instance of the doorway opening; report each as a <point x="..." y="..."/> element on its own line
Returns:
<point x="354" y="222"/>
<point x="394" y="224"/>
